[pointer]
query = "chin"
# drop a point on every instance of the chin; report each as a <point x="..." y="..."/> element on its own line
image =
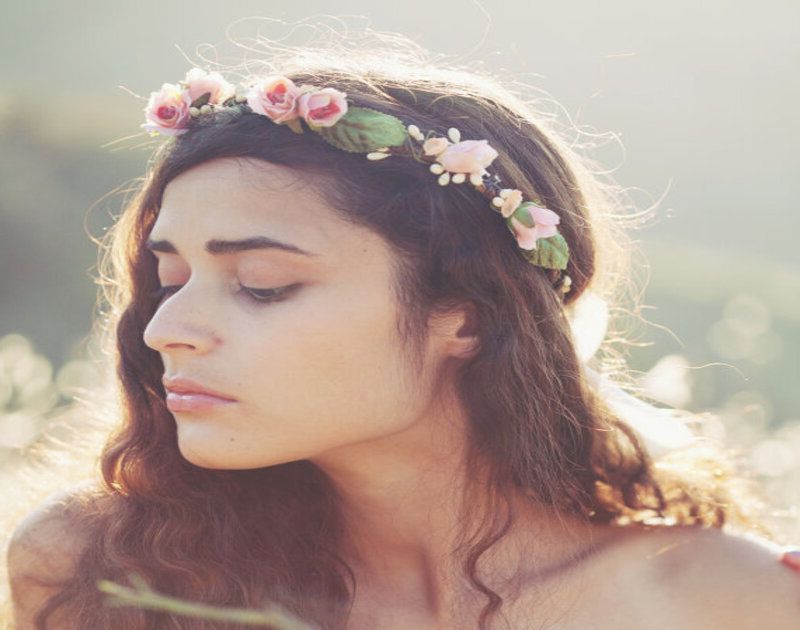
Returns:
<point x="203" y="460"/>
<point x="217" y="447"/>
<point x="202" y="451"/>
<point x="212" y="459"/>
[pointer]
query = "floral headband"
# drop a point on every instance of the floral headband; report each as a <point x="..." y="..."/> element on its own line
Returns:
<point x="171" y="111"/>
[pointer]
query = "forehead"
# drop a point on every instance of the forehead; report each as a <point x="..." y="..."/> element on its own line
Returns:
<point x="230" y="198"/>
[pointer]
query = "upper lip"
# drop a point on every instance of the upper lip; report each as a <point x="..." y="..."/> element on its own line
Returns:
<point x="181" y="385"/>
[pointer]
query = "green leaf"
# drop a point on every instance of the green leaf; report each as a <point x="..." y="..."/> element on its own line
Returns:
<point x="363" y="129"/>
<point x="201" y="100"/>
<point x="294" y="125"/>
<point x="523" y="215"/>
<point x="551" y="252"/>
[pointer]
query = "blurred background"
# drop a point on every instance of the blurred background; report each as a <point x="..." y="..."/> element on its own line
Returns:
<point x="694" y="107"/>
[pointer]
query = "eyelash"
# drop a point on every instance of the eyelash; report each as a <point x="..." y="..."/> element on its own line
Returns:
<point x="258" y="296"/>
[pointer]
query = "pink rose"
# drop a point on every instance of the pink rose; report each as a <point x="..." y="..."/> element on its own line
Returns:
<point x="274" y="97"/>
<point x="199" y="82"/>
<point x="545" y="221"/>
<point x="467" y="156"/>
<point x="168" y="111"/>
<point x="511" y="203"/>
<point x="322" y="108"/>
<point x="434" y="146"/>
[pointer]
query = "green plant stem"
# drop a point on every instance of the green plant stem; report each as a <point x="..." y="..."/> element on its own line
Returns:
<point x="143" y="596"/>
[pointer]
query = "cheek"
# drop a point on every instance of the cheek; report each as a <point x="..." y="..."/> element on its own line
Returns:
<point x="329" y="370"/>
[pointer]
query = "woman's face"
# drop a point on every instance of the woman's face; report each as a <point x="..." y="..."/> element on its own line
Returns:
<point x="321" y="367"/>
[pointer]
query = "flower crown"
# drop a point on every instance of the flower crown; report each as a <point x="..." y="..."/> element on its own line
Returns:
<point x="172" y="110"/>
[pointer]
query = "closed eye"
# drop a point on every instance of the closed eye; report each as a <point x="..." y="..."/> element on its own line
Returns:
<point x="260" y="296"/>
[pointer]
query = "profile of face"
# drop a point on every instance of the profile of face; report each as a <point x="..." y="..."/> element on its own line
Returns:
<point x="302" y="337"/>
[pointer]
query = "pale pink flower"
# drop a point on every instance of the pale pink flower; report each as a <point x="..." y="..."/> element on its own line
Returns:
<point x="323" y="107"/>
<point x="434" y="146"/>
<point x="167" y="110"/>
<point x="545" y="221"/>
<point x="511" y="203"/>
<point x="467" y="156"/>
<point x="199" y="82"/>
<point x="274" y="97"/>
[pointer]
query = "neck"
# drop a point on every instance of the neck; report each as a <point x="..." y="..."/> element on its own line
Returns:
<point x="407" y="502"/>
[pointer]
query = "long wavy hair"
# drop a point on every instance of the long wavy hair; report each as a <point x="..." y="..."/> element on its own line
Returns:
<point x="245" y="537"/>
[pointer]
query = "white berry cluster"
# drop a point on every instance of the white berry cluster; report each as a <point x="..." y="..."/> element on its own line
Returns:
<point x="194" y="112"/>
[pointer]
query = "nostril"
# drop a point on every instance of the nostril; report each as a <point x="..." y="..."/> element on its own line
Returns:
<point x="174" y="336"/>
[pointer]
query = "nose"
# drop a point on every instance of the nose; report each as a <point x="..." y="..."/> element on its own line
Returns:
<point x="181" y="322"/>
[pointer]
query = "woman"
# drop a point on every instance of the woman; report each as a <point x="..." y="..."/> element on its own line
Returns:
<point x="352" y="387"/>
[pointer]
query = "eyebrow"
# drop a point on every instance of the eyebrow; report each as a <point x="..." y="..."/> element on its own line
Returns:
<point x="219" y="247"/>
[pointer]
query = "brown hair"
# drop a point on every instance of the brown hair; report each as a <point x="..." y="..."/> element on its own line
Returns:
<point x="239" y="538"/>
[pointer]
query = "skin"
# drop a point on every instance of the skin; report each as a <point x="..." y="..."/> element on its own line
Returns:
<point x="322" y="375"/>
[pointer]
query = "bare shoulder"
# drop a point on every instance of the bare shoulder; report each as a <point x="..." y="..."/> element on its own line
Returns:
<point x="46" y="534"/>
<point x="722" y="579"/>
<point x="43" y="550"/>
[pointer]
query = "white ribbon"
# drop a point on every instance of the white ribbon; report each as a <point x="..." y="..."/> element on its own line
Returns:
<point x="661" y="430"/>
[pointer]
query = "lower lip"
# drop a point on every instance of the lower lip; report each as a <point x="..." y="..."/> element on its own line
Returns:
<point x="195" y="402"/>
